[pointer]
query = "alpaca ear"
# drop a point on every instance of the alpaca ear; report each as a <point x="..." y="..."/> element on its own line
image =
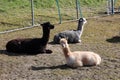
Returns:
<point x="81" y="19"/>
<point x="46" y="23"/>
<point x="85" y="20"/>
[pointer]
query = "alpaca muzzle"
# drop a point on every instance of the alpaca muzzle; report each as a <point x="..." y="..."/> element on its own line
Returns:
<point x="63" y="45"/>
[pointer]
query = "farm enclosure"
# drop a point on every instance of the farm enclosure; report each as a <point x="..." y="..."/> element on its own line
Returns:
<point x="98" y="36"/>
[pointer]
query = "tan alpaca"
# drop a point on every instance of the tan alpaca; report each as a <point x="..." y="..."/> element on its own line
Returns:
<point x="79" y="58"/>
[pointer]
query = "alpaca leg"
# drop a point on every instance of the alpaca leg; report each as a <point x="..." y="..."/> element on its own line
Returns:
<point x="42" y="51"/>
<point x="48" y="51"/>
<point x="79" y="41"/>
<point x="79" y="63"/>
<point x="45" y="51"/>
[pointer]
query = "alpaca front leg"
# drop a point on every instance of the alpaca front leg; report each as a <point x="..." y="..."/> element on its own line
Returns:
<point x="78" y="63"/>
<point x="45" y="51"/>
<point x="48" y="51"/>
<point x="79" y="41"/>
<point x="42" y="51"/>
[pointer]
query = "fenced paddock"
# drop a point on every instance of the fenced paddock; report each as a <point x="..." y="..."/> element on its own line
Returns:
<point x="17" y="14"/>
<point x="99" y="36"/>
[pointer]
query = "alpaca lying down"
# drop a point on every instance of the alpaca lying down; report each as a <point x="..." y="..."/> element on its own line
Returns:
<point x="31" y="45"/>
<point x="73" y="36"/>
<point x="79" y="58"/>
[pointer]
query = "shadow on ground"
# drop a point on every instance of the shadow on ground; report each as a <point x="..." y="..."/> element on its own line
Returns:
<point x="9" y="53"/>
<point x="18" y="54"/>
<point x="115" y="39"/>
<point x="64" y="66"/>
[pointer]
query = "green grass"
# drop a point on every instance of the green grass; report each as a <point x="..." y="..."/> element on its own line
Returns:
<point x="92" y="2"/>
<point x="17" y="13"/>
<point x="44" y="3"/>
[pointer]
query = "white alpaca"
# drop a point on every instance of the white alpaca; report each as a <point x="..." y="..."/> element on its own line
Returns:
<point x="79" y="58"/>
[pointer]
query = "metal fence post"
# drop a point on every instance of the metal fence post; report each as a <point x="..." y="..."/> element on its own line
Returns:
<point x="112" y="6"/>
<point x="32" y="12"/>
<point x="80" y="10"/>
<point x="57" y="2"/>
<point x="108" y="7"/>
<point x="77" y="8"/>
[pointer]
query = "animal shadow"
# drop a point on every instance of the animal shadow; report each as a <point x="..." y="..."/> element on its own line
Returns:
<point x="10" y="53"/>
<point x="64" y="66"/>
<point x="51" y="67"/>
<point x="115" y="39"/>
<point x="18" y="54"/>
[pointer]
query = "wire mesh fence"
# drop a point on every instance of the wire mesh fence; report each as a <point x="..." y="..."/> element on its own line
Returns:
<point x="19" y="16"/>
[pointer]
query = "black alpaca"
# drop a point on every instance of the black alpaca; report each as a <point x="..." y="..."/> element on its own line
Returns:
<point x="32" y="45"/>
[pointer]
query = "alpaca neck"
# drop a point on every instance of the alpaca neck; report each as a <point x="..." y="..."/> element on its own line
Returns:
<point x="66" y="51"/>
<point x="46" y="34"/>
<point x="80" y="26"/>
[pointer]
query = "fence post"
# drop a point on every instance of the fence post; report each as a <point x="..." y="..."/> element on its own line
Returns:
<point x="112" y="6"/>
<point x="108" y="7"/>
<point x="80" y="10"/>
<point x="32" y="12"/>
<point x="77" y="8"/>
<point x="57" y="2"/>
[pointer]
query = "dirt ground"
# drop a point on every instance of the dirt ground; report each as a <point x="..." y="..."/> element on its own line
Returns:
<point x="52" y="66"/>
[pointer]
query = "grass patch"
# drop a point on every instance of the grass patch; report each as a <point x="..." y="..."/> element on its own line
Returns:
<point x="17" y="13"/>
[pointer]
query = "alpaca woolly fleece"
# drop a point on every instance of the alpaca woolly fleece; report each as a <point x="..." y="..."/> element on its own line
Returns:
<point x="79" y="58"/>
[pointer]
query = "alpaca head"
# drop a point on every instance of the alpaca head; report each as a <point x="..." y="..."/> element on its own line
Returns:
<point x="81" y="23"/>
<point x="47" y="25"/>
<point x="83" y="20"/>
<point x="63" y="43"/>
